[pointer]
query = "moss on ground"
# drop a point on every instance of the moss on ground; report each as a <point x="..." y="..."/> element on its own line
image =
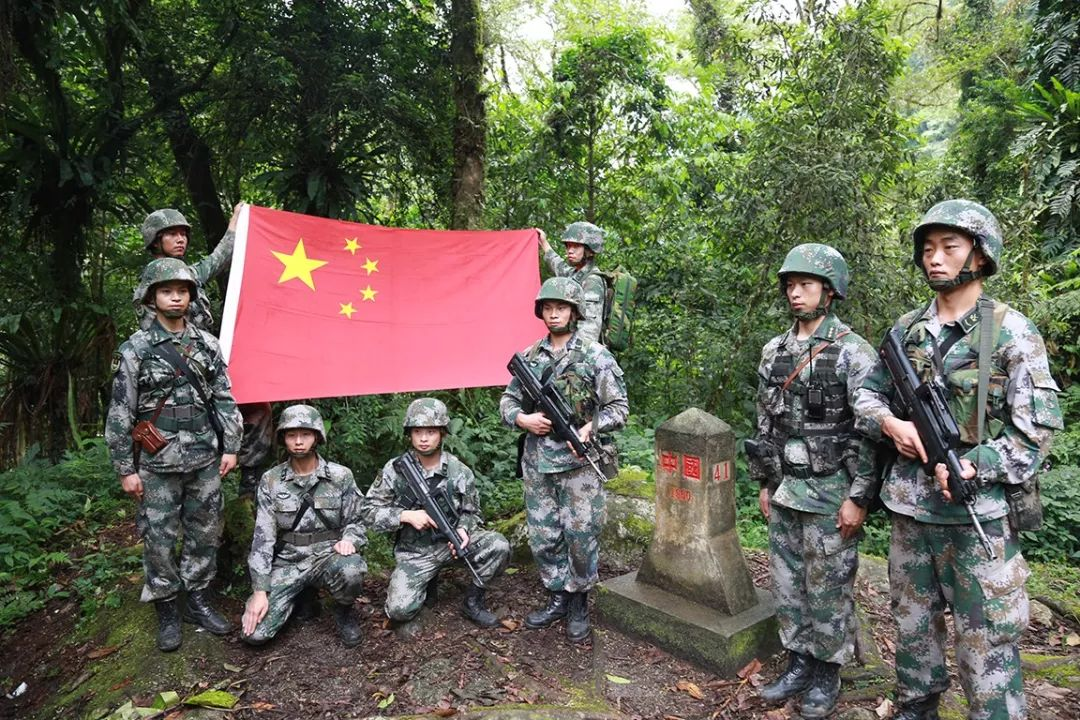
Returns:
<point x="633" y="482"/>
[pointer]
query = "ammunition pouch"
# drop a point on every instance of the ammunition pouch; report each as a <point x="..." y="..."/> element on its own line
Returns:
<point x="1025" y="505"/>
<point x="147" y="437"/>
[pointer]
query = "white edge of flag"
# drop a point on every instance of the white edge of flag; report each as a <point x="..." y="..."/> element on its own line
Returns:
<point x="236" y="277"/>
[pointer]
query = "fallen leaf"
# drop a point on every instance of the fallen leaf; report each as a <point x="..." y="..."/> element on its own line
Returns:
<point x="122" y="683"/>
<point x="778" y="714"/>
<point x="509" y="624"/>
<point x="690" y="689"/>
<point x="1053" y="641"/>
<point x="885" y="709"/>
<point x="444" y="712"/>
<point x="261" y="706"/>
<point x="510" y="571"/>
<point x="617" y="680"/>
<point x="213" y="699"/>
<point x="102" y="652"/>
<point x="165" y="700"/>
<point x="1072" y="639"/>
<point x="1050" y="692"/>
<point x="386" y="701"/>
<point x="232" y="668"/>
<point x="672" y="717"/>
<point x="752" y="667"/>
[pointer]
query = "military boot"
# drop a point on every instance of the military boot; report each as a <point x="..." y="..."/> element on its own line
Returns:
<point x="198" y="611"/>
<point x="474" y="609"/>
<point x="925" y="708"/>
<point x="307" y="605"/>
<point x="792" y="681"/>
<point x="820" y="698"/>
<point x="577" y="622"/>
<point x="555" y="610"/>
<point x="348" y="624"/>
<point x="432" y="592"/>
<point x="168" y="634"/>
<point x="249" y="481"/>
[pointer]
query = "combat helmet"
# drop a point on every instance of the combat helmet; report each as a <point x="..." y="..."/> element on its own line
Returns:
<point x="301" y="417"/>
<point x="426" y="413"/>
<point x="165" y="270"/>
<point x="821" y="261"/>
<point x="585" y="233"/>
<point x="562" y="289"/>
<point x="973" y="220"/>
<point x="160" y="220"/>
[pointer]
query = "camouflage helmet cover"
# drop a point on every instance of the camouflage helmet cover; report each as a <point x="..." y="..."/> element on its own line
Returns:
<point x="819" y="260"/>
<point x="585" y="233"/>
<point x="970" y="218"/>
<point x="159" y="220"/>
<point x="426" y="413"/>
<point x="165" y="270"/>
<point x="301" y="417"/>
<point x="562" y="289"/>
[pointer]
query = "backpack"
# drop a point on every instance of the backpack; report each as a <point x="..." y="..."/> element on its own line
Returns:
<point x="620" y="302"/>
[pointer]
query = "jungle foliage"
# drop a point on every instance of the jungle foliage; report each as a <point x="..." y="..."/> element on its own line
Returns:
<point x="706" y="147"/>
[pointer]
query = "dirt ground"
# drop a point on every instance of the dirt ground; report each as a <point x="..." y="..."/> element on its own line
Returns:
<point x="452" y="666"/>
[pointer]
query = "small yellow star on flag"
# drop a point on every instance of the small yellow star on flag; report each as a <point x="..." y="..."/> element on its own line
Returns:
<point x="371" y="265"/>
<point x="369" y="294"/>
<point x="298" y="265"/>
<point x="352" y="245"/>
<point x="347" y="310"/>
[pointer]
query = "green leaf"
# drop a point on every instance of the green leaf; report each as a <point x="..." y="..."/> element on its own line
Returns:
<point x="618" y="680"/>
<point x="165" y="700"/>
<point x="386" y="701"/>
<point x="213" y="699"/>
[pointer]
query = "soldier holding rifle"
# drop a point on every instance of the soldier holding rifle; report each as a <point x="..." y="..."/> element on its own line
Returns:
<point x="564" y="493"/>
<point x="989" y="363"/>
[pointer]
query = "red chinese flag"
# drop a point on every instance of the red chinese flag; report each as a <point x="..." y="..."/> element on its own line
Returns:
<point x="325" y="308"/>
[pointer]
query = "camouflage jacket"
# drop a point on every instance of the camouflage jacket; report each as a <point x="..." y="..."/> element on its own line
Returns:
<point x="817" y="471"/>
<point x="1022" y="410"/>
<point x="141" y="379"/>
<point x="590" y="380"/>
<point x="389" y="496"/>
<point x="595" y="290"/>
<point x="200" y="313"/>
<point x="335" y="505"/>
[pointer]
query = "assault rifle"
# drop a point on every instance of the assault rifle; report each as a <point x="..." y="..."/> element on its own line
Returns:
<point x="446" y="526"/>
<point x="554" y="406"/>
<point x="940" y="435"/>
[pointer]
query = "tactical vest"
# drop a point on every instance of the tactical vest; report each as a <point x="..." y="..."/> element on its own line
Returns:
<point x="575" y="388"/>
<point x="824" y="396"/>
<point x="408" y="537"/>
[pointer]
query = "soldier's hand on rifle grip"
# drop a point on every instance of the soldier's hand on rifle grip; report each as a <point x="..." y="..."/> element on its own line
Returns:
<point x="464" y="541"/>
<point x="941" y="473"/>
<point x="228" y="462"/>
<point x="132" y="485"/>
<point x="584" y="434"/>
<point x="905" y="437"/>
<point x="419" y="519"/>
<point x="537" y="423"/>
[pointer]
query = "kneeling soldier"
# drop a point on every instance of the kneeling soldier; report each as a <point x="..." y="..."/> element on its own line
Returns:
<point x="171" y="379"/>
<point x="418" y="551"/>
<point x="307" y="533"/>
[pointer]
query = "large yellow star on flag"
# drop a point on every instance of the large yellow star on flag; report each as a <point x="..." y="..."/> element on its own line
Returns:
<point x="371" y="265"/>
<point x="369" y="294"/>
<point x="352" y="245"/>
<point x="347" y="310"/>
<point x="298" y="265"/>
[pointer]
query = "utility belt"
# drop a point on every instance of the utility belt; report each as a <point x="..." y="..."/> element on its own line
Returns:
<point x="299" y="539"/>
<point x="179" y="417"/>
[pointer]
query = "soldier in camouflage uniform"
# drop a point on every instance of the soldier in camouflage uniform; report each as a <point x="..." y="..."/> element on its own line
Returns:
<point x="583" y="242"/>
<point x="308" y="533"/>
<point x="806" y="456"/>
<point x="564" y="498"/>
<point x="935" y="557"/>
<point x="166" y="234"/>
<point x="180" y="484"/>
<point x="418" y="552"/>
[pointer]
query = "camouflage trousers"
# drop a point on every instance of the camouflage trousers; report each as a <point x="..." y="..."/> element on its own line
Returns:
<point x="813" y="576"/>
<point x="565" y="513"/>
<point x="931" y="566"/>
<point x="258" y="436"/>
<point x="340" y="575"/>
<point x="416" y="567"/>
<point x="175" y="502"/>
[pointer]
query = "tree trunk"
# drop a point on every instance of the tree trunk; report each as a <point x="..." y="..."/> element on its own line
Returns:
<point x="470" y="120"/>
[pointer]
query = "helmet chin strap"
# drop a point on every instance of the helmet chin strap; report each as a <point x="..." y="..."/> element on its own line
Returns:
<point x="965" y="275"/>
<point x="564" y="329"/>
<point x="427" y="453"/>
<point x="821" y="310"/>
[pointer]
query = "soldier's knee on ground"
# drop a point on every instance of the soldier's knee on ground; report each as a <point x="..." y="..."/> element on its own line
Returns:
<point x="400" y="611"/>
<point x="257" y="638"/>
<point x="352" y="576"/>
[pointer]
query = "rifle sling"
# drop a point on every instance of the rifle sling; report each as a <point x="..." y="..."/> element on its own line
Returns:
<point x="809" y="358"/>
<point x="986" y="310"/>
